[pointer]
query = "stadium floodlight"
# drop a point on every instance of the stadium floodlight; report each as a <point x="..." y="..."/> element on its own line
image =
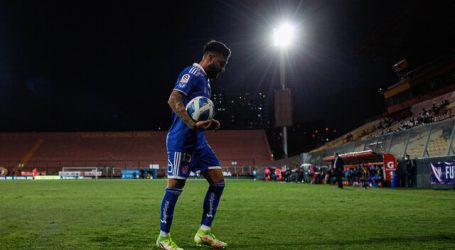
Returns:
<point x="284" y="35"/>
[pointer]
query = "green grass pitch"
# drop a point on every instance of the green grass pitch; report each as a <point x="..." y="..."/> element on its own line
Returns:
<point x="124" y="214"/>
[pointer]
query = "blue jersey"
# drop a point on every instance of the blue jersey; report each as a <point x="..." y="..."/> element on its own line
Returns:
<point x="192" y="82"/>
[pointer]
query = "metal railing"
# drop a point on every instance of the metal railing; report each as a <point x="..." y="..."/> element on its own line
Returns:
<point x="424" y="141"/>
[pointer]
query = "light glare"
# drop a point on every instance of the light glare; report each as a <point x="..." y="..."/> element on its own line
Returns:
<point x="283" y="35"/>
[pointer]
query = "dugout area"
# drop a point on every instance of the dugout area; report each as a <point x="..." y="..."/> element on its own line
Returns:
<point x="387" y="162"/>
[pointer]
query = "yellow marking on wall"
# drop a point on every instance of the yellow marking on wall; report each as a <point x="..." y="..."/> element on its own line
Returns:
<point x="30" y="153"/>
<point x="396" y="90"/>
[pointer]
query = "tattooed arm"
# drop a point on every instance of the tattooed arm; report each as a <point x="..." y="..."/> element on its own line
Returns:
<point x="176" y="103"/>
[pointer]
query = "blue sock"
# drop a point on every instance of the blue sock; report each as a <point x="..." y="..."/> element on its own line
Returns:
<point x="212" y="198"/>
<point x="171" y="196"/>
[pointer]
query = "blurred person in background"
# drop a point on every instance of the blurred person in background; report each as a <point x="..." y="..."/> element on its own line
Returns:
<point x="338" y="166"/>
<point x="410" y="171"/>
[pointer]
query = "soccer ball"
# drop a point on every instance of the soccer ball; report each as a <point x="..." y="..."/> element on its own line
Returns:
<point x="200" y="108"/>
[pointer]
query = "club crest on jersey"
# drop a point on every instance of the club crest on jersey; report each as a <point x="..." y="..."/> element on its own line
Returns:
<point x="184" y="80"/>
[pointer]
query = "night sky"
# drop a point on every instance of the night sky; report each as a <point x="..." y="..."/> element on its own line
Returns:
<point x="91" y="66"/>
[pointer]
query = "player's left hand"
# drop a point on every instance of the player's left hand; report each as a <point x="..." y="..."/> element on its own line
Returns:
<point x="203" y="125"/>
<point x="215" y="124"/>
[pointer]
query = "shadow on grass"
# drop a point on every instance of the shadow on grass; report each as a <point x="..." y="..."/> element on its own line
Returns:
<point x="337" y="244"/>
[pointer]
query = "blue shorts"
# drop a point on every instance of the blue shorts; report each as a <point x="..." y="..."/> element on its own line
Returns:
<point x="180" y="164"/>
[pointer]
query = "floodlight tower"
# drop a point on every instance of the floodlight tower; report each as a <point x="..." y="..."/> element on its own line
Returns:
<point x="283" y="36"/>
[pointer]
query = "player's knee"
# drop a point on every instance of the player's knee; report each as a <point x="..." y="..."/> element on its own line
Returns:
<point x="217" y="187"/>
<point x="176" y="183"/>
<point x="174" y="191"/>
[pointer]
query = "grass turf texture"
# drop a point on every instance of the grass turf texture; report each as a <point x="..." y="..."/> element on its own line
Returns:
<point x="124" y="214"/>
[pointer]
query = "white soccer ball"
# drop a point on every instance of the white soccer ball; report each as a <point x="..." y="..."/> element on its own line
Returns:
<point x="200" y="108"/>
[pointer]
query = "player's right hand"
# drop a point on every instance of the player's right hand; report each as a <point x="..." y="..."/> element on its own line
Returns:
<point x="202" y="125"/>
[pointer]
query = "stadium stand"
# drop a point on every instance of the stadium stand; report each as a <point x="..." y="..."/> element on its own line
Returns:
<point x="243" y="146"/>
<point x="419" y="121"/>
<point x="353" y="135"/>
<point x="122" y="149"/>
<point x="14" y="146"/>
<point x="432" y="111"/>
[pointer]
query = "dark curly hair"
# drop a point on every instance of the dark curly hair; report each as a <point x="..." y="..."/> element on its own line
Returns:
<point x="217" y="47"/>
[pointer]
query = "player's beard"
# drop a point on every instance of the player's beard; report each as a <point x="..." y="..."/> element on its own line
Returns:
<point x="212" y="71"/>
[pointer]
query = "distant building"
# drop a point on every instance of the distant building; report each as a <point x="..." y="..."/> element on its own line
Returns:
<point x="242" y="110"/>
<point x="302" y="137"/>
